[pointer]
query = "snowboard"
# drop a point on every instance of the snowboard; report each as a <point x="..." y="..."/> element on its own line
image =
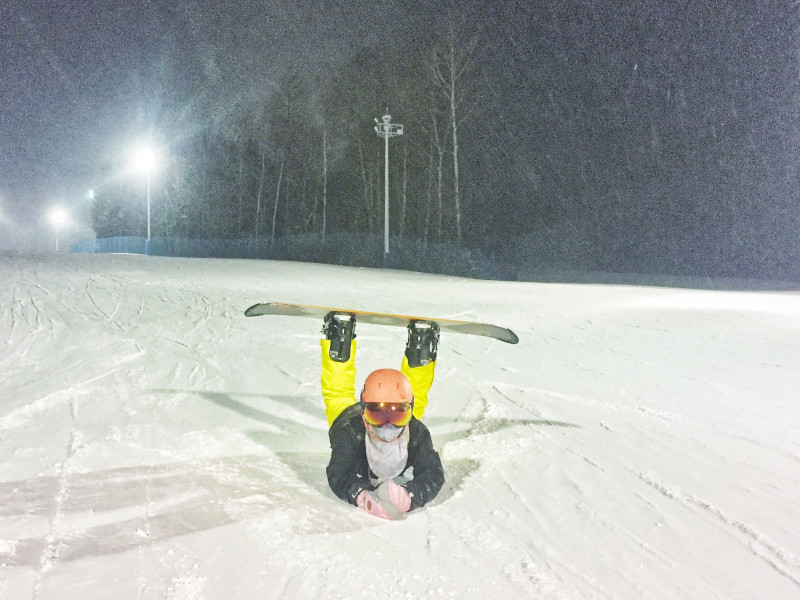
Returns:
<point x="377" y="318"/>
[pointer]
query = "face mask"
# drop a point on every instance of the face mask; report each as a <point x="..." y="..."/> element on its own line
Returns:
<point x="388" y="432"/>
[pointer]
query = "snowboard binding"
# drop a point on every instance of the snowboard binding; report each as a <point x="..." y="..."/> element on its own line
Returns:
<point x="423" y="342"/>
<point x="340" y="329"/>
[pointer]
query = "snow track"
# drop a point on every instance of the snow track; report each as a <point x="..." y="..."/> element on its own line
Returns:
<point x="155" y="444"/>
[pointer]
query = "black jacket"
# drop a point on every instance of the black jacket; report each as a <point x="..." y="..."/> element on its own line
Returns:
<point x="348" y="470"/>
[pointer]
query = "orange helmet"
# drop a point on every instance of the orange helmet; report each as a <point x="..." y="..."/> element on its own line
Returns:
<point x="387" y="398"/>
<point x="388" y="386"/>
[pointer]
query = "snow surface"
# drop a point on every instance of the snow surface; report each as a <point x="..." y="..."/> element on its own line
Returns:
<point x="637" y="443"/>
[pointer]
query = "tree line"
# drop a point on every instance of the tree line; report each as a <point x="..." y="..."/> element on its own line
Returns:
<point x="303" y="156"/>
<point x="633" y="135"/>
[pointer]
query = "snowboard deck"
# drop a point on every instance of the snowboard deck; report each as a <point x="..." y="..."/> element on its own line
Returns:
<point x="378" y="318"/>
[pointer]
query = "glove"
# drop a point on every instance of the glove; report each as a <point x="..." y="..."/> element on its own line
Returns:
<point x="369" y="503"/>
<point x="399" y="496"/>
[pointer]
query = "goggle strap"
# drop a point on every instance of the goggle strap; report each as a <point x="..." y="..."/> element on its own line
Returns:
<point x="363" y="403"/>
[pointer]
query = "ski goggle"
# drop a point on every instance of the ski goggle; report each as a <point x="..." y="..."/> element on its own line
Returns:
<point x="381" y="413"/>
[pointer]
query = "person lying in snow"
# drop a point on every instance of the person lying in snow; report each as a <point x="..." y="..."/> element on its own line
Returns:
<point x="382" y="456"/>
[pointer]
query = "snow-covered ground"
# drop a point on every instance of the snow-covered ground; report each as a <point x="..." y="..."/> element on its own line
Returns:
<point x="637" y="443"/>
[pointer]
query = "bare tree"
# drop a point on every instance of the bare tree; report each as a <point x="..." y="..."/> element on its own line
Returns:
<point x="439" y="146"/>
<point x="368" y="185"/>
<point x="405" y="190"/>
<point x="259" y="195"/>
<point x="277" y="197"/>
<point x="451" y="62"/>
<point x="324" y="179"/>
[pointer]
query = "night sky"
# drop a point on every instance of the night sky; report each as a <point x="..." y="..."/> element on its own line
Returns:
<point x="82" y="81"/>
<point x="658" y="131"/>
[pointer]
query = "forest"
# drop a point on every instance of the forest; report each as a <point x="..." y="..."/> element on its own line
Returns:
<point x="630" y="137"/>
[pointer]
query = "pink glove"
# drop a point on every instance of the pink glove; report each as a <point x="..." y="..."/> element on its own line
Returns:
<point x="399" y="496"/>
<point x="367" y="502"/>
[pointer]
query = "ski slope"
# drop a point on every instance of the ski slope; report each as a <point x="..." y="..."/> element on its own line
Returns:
<point x="638" y="442"/>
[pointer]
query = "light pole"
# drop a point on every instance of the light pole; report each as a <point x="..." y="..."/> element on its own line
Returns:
<point x="386" y="130"/>
<point x="58" y="216"/>
<point x="145" y="161"/>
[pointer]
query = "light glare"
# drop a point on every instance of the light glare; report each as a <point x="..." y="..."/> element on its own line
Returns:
<point x="145" y="160"/>
<point x="58" y="216"/>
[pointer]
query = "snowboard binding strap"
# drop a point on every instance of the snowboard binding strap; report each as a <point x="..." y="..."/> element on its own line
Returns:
<point x="423" y="342"/>
<point x="340" y="329"/>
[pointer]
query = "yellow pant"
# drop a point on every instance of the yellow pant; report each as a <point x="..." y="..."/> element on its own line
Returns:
<point x="339" y="382"/>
